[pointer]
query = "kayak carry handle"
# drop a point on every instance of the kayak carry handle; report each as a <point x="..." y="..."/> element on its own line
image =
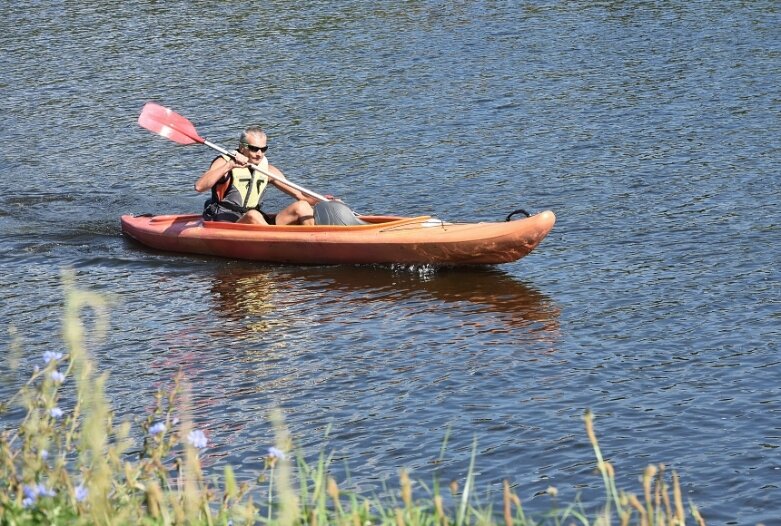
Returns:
<point x="519" y="211"/>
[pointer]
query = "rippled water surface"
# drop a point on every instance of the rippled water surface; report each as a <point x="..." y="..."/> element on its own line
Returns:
<point x="653" y="130"/>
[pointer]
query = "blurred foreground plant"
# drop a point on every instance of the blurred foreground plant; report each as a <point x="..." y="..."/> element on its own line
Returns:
<point x="66" y="462"/>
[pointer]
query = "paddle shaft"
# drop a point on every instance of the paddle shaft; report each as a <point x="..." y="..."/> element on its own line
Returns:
<point x="267" y="174"/>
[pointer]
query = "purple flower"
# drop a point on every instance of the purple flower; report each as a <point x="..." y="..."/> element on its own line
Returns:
<point x="157" y="429"/>
<point x="43" y="491"/>
<point x="33" y="491"/>
<point x="56" y="412"/>
<point x="276" y="453"/>
<point x="57" y="377"/>
<point x="44" y="454"/>
<point x="197" y="439"/>
<point x="30" y="492"/>
<point x="81" y="492"/>
<point x="48" y="356"/>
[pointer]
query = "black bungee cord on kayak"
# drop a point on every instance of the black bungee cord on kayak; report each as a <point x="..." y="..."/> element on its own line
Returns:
<point x="519" y="211"/>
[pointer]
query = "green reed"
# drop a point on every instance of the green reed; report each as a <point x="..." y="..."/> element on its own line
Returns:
<point x="77" y="465"/>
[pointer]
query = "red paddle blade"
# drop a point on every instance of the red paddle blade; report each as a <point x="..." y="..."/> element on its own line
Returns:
<point x="169" y="124"/>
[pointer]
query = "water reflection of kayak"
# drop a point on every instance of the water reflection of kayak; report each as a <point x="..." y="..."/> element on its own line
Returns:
<point x="484" y="291"/>
<point x="384" y="239"/>
<point x="340" y="290"/>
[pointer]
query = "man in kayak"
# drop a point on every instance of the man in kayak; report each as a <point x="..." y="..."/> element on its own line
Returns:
<point x="237" y="189"/>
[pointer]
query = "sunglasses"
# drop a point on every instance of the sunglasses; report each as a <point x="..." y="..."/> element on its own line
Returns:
<point x="255" y="149"/>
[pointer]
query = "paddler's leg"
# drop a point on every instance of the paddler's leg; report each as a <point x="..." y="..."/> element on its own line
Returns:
<point x="253" y="217"/>
<point x="299" y="213"/>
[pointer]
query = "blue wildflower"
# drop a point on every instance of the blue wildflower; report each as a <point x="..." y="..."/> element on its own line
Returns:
<point x="33" y="491"/>
<point x="57" y="377"/>
<point x="30" y="492"/>
<point x="56" y="412"/>
<point x="197" y="439"/>
<point x="81" y="492"/>
<point x="43" y="491"/>
<point x="157" y="429"/>
<point x="48" y="356"/>
<point x="276" y="453"/>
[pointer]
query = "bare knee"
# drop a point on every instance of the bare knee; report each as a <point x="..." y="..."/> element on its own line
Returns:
<point x="302" y="208"/>
<point x="305" y="213"/>
<point x="299" y="213"/>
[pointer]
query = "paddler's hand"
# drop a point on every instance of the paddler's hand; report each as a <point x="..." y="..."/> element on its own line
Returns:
<point x="332" y="198"/>
<point x="238" y="159"/>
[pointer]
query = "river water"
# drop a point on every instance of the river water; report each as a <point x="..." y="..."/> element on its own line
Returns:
<point x="653" y="130"/>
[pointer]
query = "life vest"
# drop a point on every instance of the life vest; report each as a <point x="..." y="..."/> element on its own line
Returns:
<point x="235" y="190"/>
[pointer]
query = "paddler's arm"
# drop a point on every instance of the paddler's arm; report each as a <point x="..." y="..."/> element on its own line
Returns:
<point x="217" y="171"/>
<point x="289" y="190"/>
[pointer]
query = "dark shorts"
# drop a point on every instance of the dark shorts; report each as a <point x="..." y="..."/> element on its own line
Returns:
<point x="215" y="212"/>
<point x="270" y="219"/>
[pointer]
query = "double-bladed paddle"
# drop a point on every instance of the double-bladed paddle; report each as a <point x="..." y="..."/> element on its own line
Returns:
<point x="166" y="122"/>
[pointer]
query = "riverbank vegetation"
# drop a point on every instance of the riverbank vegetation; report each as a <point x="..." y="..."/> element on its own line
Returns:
<point x="67" y="460"/>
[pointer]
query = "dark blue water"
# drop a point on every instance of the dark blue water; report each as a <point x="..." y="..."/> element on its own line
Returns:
<point x="653" y="130"/>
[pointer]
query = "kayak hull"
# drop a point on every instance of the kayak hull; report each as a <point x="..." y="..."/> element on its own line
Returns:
<point x="384" y="240"/>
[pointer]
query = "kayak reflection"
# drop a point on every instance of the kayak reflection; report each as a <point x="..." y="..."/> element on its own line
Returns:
<point x="246" y="299"/>
<point x="467" y="292"/>
<point x="250" y="296"/>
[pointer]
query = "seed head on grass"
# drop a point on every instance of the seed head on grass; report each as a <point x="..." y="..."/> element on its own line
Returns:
<point x="406" y="488"/>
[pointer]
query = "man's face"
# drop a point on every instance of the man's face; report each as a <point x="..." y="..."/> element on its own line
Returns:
<point x="254" y="147"/>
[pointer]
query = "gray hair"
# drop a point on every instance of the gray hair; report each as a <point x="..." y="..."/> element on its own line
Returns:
<point x="251" y="130"/>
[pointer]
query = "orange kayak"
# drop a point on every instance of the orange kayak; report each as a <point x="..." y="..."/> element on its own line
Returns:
<point x="383" y="239"/>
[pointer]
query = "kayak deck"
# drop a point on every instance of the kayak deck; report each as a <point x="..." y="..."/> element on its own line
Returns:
<point x="384" y="239"/>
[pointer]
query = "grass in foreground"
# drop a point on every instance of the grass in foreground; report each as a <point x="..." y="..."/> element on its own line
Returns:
<point x="77" y="466"/>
